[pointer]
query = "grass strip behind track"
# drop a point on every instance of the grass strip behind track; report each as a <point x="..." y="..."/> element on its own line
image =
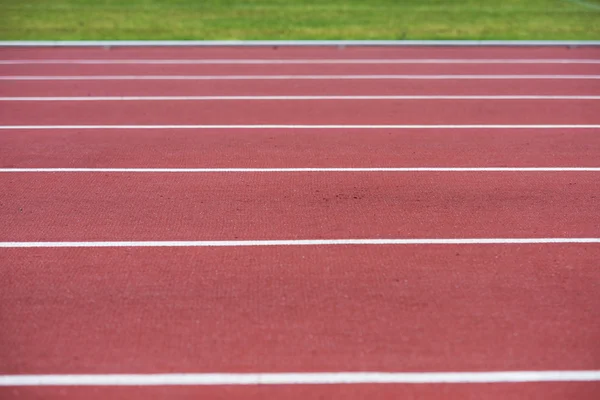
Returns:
<point x="299" y="19"/>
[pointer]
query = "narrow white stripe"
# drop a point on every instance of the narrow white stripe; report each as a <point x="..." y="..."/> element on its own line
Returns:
<point x="285" y="77"/>
<point x="104" y="127"/>
<point x="298" y="378"/>
<point x="298" y="61"/>
<point x="245" y="98"/>
<point x="304" y="43"/>
<point x="307" y="242"/>
<point x="284" y="170"/>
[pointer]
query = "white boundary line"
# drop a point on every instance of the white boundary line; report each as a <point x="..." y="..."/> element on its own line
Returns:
<point x="106" y="127"/>
<point x="294" y="61"/>
<point x="286" y="77"/>
<point x="307" y="242"/>
<point x="289" y="170"/>
<point x="285" y="43"/>
<point x="298" y="378"/>
<point x="306" y="97"/>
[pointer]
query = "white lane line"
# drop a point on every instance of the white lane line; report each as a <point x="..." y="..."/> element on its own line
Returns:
<point x="279" y="98"/>
<point x="294" y="43"/>
<point x="307" y="242"/>
<point x="298" y="378"/>
<point x="105" y="127"/>
<point x="296" y="61"/>
<point x="288" y="170"/>
<point x="285" y="77"/>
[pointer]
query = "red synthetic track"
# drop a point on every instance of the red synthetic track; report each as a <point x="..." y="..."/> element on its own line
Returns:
<point x="301" y="309"/>
<point x="317" y="112"/>
<point x="321" y="69"/>
<point x="298" y="88"/>
<point x="346" y="308"/>
<point x="302" y="53"/>
<point x="547" y="391"/>
<point x="288" y="148"/>
<point x="297" y="205"/>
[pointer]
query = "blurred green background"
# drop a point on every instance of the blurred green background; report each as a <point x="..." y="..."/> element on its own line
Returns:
<point x="299" y="19"/>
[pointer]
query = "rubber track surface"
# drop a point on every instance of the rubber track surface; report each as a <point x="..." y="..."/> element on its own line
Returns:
<point x="418" y="308"/>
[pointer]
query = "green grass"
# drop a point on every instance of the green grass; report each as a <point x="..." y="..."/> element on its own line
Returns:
<point x="299" y="19"/>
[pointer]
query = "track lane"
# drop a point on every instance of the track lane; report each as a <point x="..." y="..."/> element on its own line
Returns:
<point x="300" y="69"/>
<point x="527" y="391"/>
<point x="529" y="52"/>
<point x="299" y="87"/>
<point x="233" y="112"/>
<point x="232" y="206"/>
<point x="291" y="148"/>
<point x="310" y="309"/>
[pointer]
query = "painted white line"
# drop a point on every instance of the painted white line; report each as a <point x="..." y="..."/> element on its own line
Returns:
<point x="416" y="61"/>
<point x="105" y="127"/>
<point x="307" y="242"/>
<point x="284" y="98"/>
<point x="290" y="170"/>
<point x="298" y="378"/>
<point x="303" y="43"/>
<point x="287" y="77"/>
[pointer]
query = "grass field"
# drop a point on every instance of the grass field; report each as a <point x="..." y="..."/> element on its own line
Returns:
<point x="299" y="19"/>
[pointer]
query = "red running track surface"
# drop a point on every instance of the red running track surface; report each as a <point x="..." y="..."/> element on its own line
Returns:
<point x="585" y="52"/>
<point x="529" y="391"/>
<point x="312" y="308"/>
<point x="298" y="88"/>
<point x="289" y="148"/>
<point x="149" y="206"/>
<point x="550" y="391"/>
<point x="445" y="308"/>
<point x="302" y="69"/>
<point x="389" y="308"/>
<point x="567" y="87"/>
<point x="309" y="112"/>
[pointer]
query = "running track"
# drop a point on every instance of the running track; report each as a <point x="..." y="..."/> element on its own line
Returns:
<point x="166" y="271"/>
